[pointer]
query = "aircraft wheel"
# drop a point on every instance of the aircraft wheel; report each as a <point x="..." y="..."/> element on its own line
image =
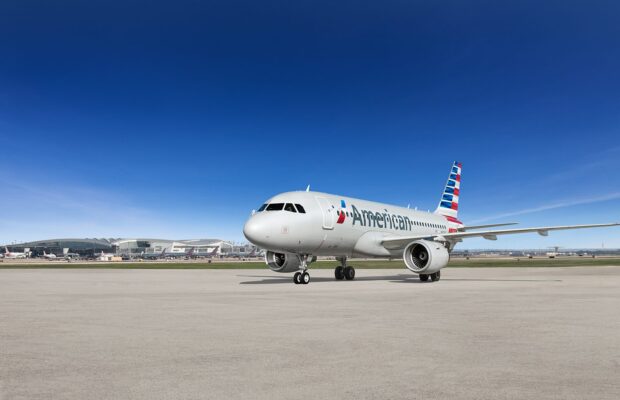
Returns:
<point x="438" y="275"/>
<point x="305" y="278"/>
<point x="434" y="277"/>
<point x="423" y="277"/>
<point x="297" y="278"/>
<point x="349" y="273"/>
<point x="339" y="272"/>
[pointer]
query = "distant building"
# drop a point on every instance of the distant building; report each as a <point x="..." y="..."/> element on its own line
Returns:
<point x="83" y="247"/>
<point x="124" y="247"/>
<point x="135" y="247"/>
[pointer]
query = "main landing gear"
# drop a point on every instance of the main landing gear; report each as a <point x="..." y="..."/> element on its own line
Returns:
<point x="301" y="278"/>
<point x="343" y="271"/>
<point x="434" y="277"/>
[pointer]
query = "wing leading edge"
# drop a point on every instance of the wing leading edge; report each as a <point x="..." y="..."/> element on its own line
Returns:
<point x="394" y="242"/>
<point x="472" y="227"/>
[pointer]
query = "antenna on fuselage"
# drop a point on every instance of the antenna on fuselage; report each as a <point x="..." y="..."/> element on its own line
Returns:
<point x="308" y="188"/>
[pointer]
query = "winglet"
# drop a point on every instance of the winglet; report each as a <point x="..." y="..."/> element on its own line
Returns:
<point x="308" y="188"/>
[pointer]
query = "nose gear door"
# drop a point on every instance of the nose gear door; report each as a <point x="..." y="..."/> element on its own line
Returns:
<point x="329" y="212"/>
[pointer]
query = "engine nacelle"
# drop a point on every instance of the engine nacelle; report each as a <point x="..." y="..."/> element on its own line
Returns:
<point x="425" y="256"/>
<point x="282" y="262"/>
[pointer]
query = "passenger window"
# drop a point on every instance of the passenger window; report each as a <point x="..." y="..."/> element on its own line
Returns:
<point x="289" y="207"/>
<point x="300" y="208"/>
<point x="275" y="206"/>
<point x="262" y="208"/>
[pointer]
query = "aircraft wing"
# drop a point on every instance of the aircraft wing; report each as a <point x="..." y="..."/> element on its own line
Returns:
<point x="471" y="227"/>
<point x="395" y="242"/>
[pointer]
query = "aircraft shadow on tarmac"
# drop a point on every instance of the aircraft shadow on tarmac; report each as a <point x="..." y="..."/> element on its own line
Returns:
<point x="401" y="278"/>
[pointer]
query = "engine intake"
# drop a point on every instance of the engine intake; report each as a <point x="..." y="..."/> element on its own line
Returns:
<point x="425" y="256"/>
<point x="282" y="262"/>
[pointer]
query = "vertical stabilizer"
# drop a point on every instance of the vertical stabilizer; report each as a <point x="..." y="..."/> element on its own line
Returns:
<point x="449" y="203"/>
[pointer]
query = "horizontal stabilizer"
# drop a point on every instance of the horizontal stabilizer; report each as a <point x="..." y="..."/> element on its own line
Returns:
<point x="472" y="227"/>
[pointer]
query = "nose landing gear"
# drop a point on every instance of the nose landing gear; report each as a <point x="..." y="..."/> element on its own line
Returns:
<point x="302" y="277"/>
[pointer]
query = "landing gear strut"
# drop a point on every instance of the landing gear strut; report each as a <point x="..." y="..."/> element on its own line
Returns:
<point x="302" y="277"/>
<point x="343" y="271"/>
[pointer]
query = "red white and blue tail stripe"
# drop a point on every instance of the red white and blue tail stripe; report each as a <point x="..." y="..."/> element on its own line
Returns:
<point x="449" y="203"/>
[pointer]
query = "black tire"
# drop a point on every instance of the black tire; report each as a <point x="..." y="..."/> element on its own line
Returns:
<point x="339" y="272"/>
<point x="434" y="277"/>
<point x="349" y="273"/>
<point x="423" y="277"/>
<point x="305" y="278"/>
<point x="297" y="278"/>
<point x="438" y="275"/>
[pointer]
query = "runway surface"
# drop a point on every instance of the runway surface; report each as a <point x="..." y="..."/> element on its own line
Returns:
<point x="485" y="333"/>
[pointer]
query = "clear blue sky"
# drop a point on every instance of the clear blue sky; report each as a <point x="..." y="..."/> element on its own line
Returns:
<point x="175" y="119"/>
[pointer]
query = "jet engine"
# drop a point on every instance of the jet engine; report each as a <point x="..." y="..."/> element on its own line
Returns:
<point x="425" y="256"/>
<point x="282" y="262"/>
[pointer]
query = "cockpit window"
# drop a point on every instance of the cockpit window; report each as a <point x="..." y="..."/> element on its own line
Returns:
<point x="300" y="208"/>
<point x="275" y="207"/>
<point x="289" y="207"/>
<point x="262" y="208"/>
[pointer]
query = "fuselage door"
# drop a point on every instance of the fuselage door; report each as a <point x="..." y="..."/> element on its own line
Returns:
<point x="328" y="213"/>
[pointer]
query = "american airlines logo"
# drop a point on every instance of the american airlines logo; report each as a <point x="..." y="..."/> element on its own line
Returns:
<point x="342" y="215"/>
<point x="378" y="219"/>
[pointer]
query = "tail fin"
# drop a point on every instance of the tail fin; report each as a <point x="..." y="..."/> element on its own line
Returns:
<point x="449" y="203"/>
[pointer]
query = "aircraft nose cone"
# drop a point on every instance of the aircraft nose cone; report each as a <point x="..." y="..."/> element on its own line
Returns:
<point x="252" y="230"/>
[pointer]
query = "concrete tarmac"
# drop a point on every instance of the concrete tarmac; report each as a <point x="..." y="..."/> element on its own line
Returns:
<point x="486" y="333"/>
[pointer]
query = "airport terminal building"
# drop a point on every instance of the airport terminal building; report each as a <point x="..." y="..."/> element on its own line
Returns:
<point x="128" y="247"/>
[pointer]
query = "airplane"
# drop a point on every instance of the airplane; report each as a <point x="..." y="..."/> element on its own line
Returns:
<point x="205" y="254"/>
<point x="243" y="253"/>
<point x="153" y="256"/>
<point x="65" y="255"/>
<point x="296" y="227"/>
<point x="105" y="256"/>
<point x="12" y="254"/>
<point x="50" y="256"/>
<point x="178" y="254"/>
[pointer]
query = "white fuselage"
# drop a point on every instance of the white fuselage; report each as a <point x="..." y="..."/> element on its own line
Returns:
<point x="10" y="255"/>
<point x="335" y="225"/>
